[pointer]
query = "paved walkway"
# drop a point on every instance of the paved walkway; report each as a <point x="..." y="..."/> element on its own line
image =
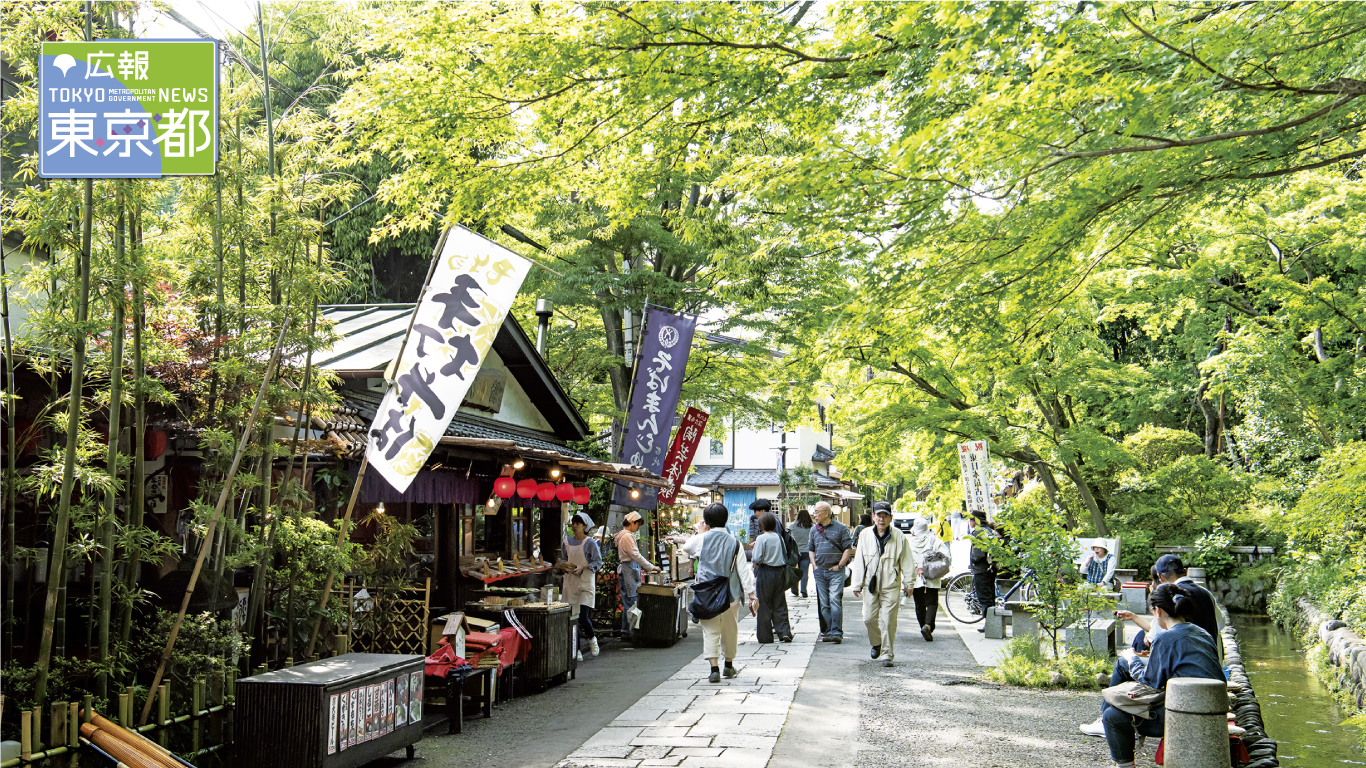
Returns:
<point x="688" y="722"/>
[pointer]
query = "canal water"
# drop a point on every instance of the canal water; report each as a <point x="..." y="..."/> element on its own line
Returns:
<point x="1297" y="709"/>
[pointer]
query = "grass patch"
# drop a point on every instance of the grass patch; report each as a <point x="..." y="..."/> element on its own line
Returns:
<point x="1027" y="665"/>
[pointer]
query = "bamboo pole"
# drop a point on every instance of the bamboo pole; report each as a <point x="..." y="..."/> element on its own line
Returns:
<point x="213" y="521"/>
<point x="56" y="578"/>
<point x="137" y="479"/>
<point x="111" y="497"/>
<point x="11" y="471"/>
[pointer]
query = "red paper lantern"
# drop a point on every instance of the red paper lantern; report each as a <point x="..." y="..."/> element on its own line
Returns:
<point x="527" y="488"/>
<point x="545" y="491"/>
<point x="582" y="495"/>
<point x="504" y="487"/>
<point x="565" y="492"/>
<point x="153" y="444"/>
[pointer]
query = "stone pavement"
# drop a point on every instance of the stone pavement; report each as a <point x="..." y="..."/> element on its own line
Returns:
<point x="688" y="722"/>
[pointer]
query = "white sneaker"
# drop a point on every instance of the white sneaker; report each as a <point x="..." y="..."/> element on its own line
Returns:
<point x="593" y="646"/>
<point x="1096" y="728"/>
<point x="578" y="655"/>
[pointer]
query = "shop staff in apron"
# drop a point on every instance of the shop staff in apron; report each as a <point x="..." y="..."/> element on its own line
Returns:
<point x="581" y="563"/>
<point x="632" y="563"/>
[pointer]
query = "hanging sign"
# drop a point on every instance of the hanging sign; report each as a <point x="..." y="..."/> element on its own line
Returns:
<point x="660" y="363"/>
<point x="681" y="452"/>
<point x="469" y="294"/>
<point x="128" y="109"/>
<point x="973" y="460"/>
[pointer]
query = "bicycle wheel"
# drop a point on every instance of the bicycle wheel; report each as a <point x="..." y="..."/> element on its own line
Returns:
<point x="961" y="602"/>
<point x="1029" y="592"/>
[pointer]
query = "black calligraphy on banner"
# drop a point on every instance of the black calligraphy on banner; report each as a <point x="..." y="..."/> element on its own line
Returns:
<point x="664" y="349"/>
<point x="469" y="292"/>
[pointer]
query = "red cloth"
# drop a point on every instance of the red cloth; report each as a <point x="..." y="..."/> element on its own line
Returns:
<point x="481" y="640"/>
<point x="1134" y="584"/>
<point x="440" y="663"/>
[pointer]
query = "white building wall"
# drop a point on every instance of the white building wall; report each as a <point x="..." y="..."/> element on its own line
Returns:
<point x="750" y="448"/>
<point x="517" y="407"/>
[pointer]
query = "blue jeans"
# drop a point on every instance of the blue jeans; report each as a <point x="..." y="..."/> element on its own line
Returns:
<point x="628" y="579"/>
<point x="1121" y="727"/>
<point x="804" y="564"/>
<point x="830" y="600"/>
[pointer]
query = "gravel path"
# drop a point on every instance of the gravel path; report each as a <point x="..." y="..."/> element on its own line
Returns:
<point x="931" y="709"/>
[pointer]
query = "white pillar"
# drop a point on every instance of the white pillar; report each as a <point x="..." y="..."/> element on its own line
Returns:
<point x="1197" y="723"/>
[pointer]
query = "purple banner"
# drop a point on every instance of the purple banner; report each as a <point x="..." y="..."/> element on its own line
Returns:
<point x="663" y="356"/>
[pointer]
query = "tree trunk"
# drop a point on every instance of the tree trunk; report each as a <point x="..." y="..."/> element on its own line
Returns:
<point x="1210" y="414"/>
<point x="11" y="471"/>
<point x="1087" y="498"/>
<point x="137" y="479"/>
<point x="56" y="574"/>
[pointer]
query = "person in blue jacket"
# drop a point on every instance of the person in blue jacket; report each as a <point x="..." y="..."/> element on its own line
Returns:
<point x="1181" y="650"/>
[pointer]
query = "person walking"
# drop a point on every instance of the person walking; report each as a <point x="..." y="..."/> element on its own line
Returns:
<point x="757" y="509"/>
<point x="770" y="577"/>
<point x="721" y="554"/>
<point x="832" y="545"/>
<point x="925" y="591"/>
<point x="582" y="559"/>
<point x="979" y="561"/>
<point x="801" y="533"/>
<point x="883" y="565"/>
<point x="631" y="565"/>
<point x="865" y="520"/>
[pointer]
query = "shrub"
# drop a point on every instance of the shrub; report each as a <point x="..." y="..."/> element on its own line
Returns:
<point x="1027" y="665"/>
<point x="1211" y="553"/>
<point x="1153" y="447"/>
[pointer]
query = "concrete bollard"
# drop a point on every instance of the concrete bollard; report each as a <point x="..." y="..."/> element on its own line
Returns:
<point x="1197" y="723"/>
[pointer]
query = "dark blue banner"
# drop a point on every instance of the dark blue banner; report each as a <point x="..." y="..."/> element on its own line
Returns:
<point x="660" y="362"/>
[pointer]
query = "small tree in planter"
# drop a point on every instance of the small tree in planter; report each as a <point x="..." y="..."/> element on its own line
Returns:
<point x="1036" y="540"/>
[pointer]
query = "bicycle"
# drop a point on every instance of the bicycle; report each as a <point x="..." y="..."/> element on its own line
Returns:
<point x="962" y="604"/>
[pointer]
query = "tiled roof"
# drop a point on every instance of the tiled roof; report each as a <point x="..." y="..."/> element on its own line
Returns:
<point x="360" y="408"/>
<point x="823" y="454"/>
<point x="708" y="476"/>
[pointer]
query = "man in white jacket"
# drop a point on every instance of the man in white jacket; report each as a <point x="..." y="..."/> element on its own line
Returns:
<point x="885" y="567"/>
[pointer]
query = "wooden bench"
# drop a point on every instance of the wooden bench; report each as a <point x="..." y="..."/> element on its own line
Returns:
<point x="458" y="687"/>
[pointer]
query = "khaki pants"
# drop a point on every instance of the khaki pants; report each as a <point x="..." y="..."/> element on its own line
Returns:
<point x="719" y="634"/>
<point x="879" y="616"/>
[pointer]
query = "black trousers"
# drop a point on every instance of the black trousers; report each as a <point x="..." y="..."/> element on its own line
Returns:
<point x="771" y="589"/>
<point x="585" y="623"/>
<point x="984" y="585"/>
<point x="926" y="605"/>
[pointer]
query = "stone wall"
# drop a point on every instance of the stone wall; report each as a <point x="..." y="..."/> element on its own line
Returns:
<point x="1346" y="649"/>
<point x="1246" y="596"/>
<point x="1243" y="703"/>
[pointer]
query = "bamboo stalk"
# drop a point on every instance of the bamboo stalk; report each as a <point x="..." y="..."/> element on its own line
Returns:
<point x="57" y="567"/>
<point x="213" y="521"/>
<point x="137" y="479"/>
<point x="111" y="497"/>
<point x="11" y="456"/>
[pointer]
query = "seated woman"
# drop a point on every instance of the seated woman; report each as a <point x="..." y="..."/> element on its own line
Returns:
<point x="1181" y="650"/>
<point x="1099" y="567"/>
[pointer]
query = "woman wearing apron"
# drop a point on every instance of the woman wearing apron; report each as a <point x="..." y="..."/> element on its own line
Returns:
<point x="582" y="561"/>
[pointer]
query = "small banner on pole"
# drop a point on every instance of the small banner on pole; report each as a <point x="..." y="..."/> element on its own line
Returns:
<point x="663" y="356"/>
<point x="128" y="109"/>
<point x="681" y="452"/>
<point x="469" y="294"/>
<point x="974" y="459"/>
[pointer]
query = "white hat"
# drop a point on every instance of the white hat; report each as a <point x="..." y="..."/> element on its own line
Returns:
<point x="582" y="517"/>
<point x="631" y="517"/>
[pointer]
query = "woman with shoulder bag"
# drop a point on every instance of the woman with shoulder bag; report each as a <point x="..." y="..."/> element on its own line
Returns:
<point x="932" y="562"/>
<point x="1181" y="650"/>
<point x="724" y="579"/>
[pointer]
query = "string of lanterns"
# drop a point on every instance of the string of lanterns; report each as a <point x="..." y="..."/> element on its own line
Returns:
<point x="505" y="487"/>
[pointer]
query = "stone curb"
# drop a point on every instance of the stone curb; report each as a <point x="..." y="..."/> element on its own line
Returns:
<point x="1243" y="703"/>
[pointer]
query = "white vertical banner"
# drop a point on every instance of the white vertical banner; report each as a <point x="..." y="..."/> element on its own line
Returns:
<point x="974" y="460"/>
<point x="467" y="298"/>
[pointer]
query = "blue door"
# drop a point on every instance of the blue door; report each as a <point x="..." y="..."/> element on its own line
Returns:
<point x="738" y="501"/>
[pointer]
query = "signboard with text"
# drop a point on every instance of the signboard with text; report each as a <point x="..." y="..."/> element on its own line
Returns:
<point x="660" y="363"/>
<point x="467" y="298"/>
<point x="681" y="452"/>
<point x="974" y="460"/>
<point x="128" y="109"/>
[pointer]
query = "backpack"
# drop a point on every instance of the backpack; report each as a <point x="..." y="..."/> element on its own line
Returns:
<point x="792" y="559"/>
<point x="936" y="565"/>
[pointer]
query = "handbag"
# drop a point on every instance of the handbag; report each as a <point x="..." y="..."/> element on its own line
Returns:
<point x="711" y="598"/>
<point x="1134" y="698"/>
<point x="936" y="566"/>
